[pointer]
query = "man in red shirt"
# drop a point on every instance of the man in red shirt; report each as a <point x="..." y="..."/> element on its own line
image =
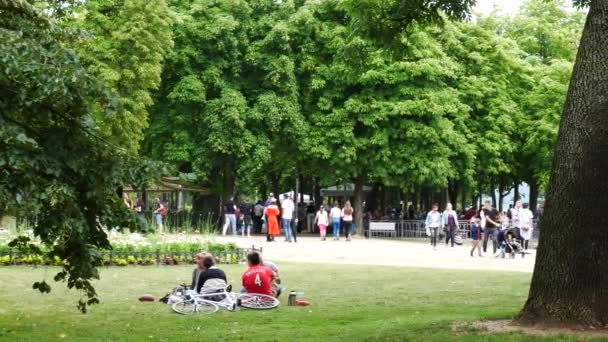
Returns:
<point x="258" y="278"/>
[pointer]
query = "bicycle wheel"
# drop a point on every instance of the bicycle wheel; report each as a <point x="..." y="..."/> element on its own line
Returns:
<point x="258" y="301"/>
<point x="191" y="306"/>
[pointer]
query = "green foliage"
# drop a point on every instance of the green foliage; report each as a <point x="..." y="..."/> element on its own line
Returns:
<point x="229" y="94"/>
<point x="21" y="252"/>
<point x="54" y="165"/>
<point x="385" y="20"/>
<point x="123" y="44"/>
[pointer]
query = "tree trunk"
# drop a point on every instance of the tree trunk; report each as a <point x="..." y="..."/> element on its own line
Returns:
<point x="516" y="192"/>
<point x="463" y="199"/>
<point x="453" y="193"/>
<point x="570" y="280"/>
<point x="358" y="205"/>
<point x="533" y="195"/>
<point x="501" y="188"/>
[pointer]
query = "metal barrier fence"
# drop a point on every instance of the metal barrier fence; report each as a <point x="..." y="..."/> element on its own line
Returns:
<point x="415" y="229"/>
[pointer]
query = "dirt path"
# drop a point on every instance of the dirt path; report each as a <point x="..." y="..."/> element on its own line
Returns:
<point x="381" y="252"/>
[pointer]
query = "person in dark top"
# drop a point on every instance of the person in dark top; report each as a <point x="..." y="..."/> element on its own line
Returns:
<point x="311" y="213"/>
<point x="489" y="216"/>
<point x="212" y="277"/>
<point x="230" y="217"/>
<point x="247" y="215"/>
<point x="257" y="217"/>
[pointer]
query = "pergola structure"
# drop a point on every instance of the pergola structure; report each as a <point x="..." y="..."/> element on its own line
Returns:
<point x="171" y="190"/>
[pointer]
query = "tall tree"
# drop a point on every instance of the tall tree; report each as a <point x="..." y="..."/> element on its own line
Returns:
<point x="53" y="162"/>
<point x="124" y="44"/>
<point x="228" y="106"/>
<point x="570" y="276"/>
<point x="377" y="116"/>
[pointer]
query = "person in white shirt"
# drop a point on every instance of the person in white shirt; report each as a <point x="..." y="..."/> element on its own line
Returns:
<point x="336" y="214"/>
<point x="526" y="221"/>
<point x="516" y="215"/>
<point x="322" y="220"/>
<point x="287" y="208"/>
<point x="432" y="224"/>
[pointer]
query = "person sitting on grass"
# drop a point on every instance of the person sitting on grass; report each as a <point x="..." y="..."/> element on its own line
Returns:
<point x="212" y="278"/>
<point x="277" y="289"/>
<point x="200" y="268"/>
<point x="257" y="279"/>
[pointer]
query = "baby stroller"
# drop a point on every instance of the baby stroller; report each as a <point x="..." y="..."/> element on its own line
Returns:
<point x="508" y="240"/>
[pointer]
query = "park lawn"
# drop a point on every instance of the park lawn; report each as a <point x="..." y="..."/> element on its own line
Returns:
<point x="349" y="303"/>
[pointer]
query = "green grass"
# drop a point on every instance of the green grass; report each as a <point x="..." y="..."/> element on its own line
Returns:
<point x="350" y="303"/>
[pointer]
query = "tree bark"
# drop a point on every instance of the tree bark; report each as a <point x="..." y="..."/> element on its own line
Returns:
<point x="453" y="193"/>
<point x="533" y="196"/>
<point x="463" y="199"/>
<point x="501" y="188"/>
<point x="358" y="204"/>
<point x="570" y="280"/>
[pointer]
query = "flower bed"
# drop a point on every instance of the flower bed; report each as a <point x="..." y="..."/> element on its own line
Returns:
<point x="137" y="250"/>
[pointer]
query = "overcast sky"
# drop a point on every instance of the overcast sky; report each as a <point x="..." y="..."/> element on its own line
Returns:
<point x="508" y="7"/>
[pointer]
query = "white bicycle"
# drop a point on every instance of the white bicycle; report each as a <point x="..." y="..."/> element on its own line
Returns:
<point x="211" y="300"/>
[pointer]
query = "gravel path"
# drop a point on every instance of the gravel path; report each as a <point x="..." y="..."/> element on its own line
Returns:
<point x="382" y="252"/>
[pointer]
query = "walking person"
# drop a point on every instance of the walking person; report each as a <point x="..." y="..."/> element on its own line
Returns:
<point x="139" y="209"/>
<point x="159" y="212"/>
<point x="229" y="217"/>
<point x="247" y="214"/>
<point x="269" y="200"/>
<point x="515" y="214"/>
<point x="287" y="211"/>
<point x="128" y="201"/>
<point x="310" y="217"/>
<point x="322" y="219"/>
<point x="526" y="219"/>
<point x="489" y="216"/>
<point x="450" y="222"/>
<point x="336" y="214"/>
<point x="272" y="212"/>
<point x="347" y="219"/>
<point x="432" y="224"/>
<point x="258" y="217"/>
<point x="476" y="232"/>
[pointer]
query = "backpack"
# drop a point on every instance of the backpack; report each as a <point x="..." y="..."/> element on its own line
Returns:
<point x="163" y="211"/>
<point x="258" y="210"/>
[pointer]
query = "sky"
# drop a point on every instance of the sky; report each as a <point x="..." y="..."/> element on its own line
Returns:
<point x="508" y="7"/>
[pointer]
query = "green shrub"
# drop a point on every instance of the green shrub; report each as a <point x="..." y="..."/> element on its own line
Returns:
<point x="5" y="260"/>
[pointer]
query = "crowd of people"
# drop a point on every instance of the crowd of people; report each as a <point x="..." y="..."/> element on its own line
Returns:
<point x="277" y="216"/>
<point x="509" y="231"/>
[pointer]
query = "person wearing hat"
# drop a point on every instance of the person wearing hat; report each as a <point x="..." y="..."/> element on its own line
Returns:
<point x="272" y="212"/>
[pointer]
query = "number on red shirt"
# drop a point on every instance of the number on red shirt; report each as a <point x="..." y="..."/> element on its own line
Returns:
<point x="257" y="280"/>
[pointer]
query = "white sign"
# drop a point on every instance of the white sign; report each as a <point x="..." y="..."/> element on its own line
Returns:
<point x="382" y="226"/>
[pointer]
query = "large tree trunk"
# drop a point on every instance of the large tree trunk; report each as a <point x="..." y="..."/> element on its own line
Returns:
<point x="501" y="188"/>
<point x="533" y="195"/>
<point x="463" y="199"/>
<point x="358" y="205"/>
<point x="453" y="193"/>
<point x="570" y="281"/>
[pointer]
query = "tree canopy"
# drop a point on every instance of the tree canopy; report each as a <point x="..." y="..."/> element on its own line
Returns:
<point x="246" y="94"/>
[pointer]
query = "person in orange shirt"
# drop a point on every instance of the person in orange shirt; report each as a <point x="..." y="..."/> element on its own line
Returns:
<point x="272" y="212"/>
